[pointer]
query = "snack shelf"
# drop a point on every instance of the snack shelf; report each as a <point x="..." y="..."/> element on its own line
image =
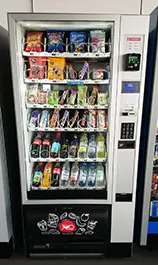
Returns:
<point x="58" y="159"/>
<point x="48" y="106"/>
<point x="66" y="81"/>
<point x="67" y="129"/>
<point x="68" y="54"/>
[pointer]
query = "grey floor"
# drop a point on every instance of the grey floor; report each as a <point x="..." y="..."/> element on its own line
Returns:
<point x="140" y="257"/>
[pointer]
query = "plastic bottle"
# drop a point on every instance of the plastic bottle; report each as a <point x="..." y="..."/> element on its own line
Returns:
<point x="82" y="151"/>
<point x="37" y="175"/>
<point x="65" y="174"/>
<point x="64" y="149"/>
<point x="56" y="175"/>
<point x="100" y="146"/>
<point x="83" y="175"/>
<point x="56" y="146"/>
<point x="92" y="146"/>
<point x="35" y="148"/>
<point x="91" y="175"/>
<point x="73" y="147"/>
<point x="45" y="150"/>
<point x="47" y="175"/>
<point x="74" y="174"/>
<point x="100" y="176"/>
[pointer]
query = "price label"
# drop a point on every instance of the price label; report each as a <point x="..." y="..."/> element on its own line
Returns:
<point x="46" y="87"/>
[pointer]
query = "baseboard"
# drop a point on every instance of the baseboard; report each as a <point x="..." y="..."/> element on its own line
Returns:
<point x="6" y="249"/>
<point x="120" y="250"/>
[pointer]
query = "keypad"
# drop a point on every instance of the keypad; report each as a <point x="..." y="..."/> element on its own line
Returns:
<point x="127" y="130"/>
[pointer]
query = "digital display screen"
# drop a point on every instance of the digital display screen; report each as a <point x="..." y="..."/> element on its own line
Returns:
<point x="129" y="88"/>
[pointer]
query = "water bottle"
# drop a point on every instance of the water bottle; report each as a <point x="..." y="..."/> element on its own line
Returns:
<point x="83" y="175"/>
<point x="91" y="176"/>
<point x="65" y="174"/>
<point x="92" y="147"/>
<point x="100" y="176"/>
<point x="82" y="151"/>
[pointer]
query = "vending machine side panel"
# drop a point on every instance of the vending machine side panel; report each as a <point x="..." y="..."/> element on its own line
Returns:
<point x="132" y="65"/>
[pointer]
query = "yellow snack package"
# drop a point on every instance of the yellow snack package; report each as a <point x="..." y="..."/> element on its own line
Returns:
<point x="56" y="67"/>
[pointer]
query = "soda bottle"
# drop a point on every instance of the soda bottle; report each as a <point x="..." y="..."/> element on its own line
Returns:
<point x="100" y="176"/>
<point x="56" y="146"/>
<point x="45" y="150"/>
<point x="47" y="175"/>
<point x="65" y="174"/>
<point x="73" y="147"/>
<point x="74" y="174"/>
<point x="100" y="146"/>
<point x="83" y="175"/>
<point x="91" y="175"/>
<point x="82" y="151"/>
<point x="64" y="149"/>
<point x="37" y="175"/>
<point x="36" y="145"/>
<point x="92" y="146"/>
<point x="56" y="175"/>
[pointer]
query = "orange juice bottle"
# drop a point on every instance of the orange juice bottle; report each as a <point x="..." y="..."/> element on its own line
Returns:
<point x="47" y="175"/>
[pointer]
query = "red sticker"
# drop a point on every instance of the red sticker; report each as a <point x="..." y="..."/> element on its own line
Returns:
<point x="133" y="39"/>
<point x="67" y="226"/>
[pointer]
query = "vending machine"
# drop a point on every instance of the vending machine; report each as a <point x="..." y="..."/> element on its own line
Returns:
<point x="148" y="173"/>
<point x="78" y="91"/>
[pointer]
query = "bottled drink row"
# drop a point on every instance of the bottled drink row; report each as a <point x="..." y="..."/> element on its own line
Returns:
<point x="73" y="146"/>
<point x="59" y="118"/>
<point x="56" y="41"/>
<point x="68" y="175"/>
<point x="82" y="95"/>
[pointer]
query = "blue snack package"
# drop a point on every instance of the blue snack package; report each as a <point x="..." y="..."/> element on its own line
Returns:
<point x="77" y="41"/>
<point x="55" y="41"/>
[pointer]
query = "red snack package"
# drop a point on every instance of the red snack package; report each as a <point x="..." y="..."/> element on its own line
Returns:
<point x="34" y="40"/>
<point x="37" y="67"/>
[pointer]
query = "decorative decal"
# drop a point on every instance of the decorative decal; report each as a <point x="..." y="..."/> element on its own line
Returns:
<point x="72" y="216"/>
<point x="89" y="233"/>
<point x="91" y="224"/>
<point x="80" y="231"/>
<point x="85" y="217"/>
<point x="67" y="224"/>
<point x="63" y="216"/>
<point x="53" y="220"/>
<point x="42" y="225"/>
<point x="78" y="222"/>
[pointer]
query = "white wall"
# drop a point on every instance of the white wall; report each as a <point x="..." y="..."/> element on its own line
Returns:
<point x="78" y="6"/>
<point x="90" y="6"/>
<point x="12" y="6"/>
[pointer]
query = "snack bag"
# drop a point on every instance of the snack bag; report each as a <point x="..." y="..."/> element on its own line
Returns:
<point x="93" y="96"/>
<point x="97" y="40"/>
<point x="72" y="98"/>
<point x="32" y="93"/>
<point x="101" y="119"/>
<point x="56" y="67"/>
<point x="77" y="41"/>
<point x="63" y="97"/>
<point x="92" y="121"/>
<point x="102" y="98"/>
<point x="83" y="70"/>
<point x="82" y="93"/>
<point x="98" y="74"/>
<point x="37" y="67"/>
<point x="42" y="97"/>
<point x="55" y="118"/>
<point x="53" y="97"/>
<point x="55" y="41"/>
<point x="34" y="40"/>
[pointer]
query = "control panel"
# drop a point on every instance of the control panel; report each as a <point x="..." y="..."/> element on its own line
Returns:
<point x="127" y="130"/>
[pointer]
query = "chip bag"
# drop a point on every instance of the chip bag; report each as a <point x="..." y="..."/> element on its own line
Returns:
<point x="56" y="67"/>
<point x="32" y="93"/>
<point x="37" y="67"/>
<point x="34" y="41"/>
<point x="55" y="41"/>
